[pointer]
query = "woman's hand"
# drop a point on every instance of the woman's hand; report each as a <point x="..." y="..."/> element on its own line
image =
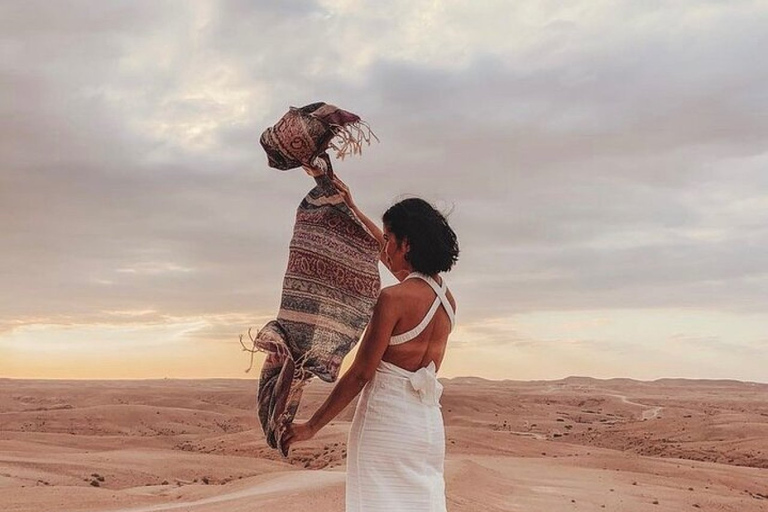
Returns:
<point x="297" y="432"/>
<point x="343" y="189"/>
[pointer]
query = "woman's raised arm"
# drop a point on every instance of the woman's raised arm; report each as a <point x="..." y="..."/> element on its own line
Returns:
<point x="372" y="226"/>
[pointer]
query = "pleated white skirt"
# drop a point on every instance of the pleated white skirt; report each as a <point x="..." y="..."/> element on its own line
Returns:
<point x="396" y="447"/>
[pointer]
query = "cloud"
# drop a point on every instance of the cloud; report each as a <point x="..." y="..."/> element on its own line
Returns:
<point x="594" y="155"/>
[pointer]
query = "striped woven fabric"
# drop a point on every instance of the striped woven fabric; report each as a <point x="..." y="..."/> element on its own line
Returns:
<point x="329" y="290"/>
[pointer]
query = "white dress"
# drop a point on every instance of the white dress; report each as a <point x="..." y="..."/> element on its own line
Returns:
<point x="396" y="447"/>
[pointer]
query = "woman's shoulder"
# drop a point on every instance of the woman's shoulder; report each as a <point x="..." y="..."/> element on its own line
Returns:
<point x="417" y="290"/>
<point x="393" y="291"/>
<point x="408" y="289"/>
<point x="398" y="292"/>
<point x="408" y="294"/>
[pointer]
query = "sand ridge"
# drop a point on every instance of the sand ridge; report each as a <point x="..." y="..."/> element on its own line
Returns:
<point x="573" y="444"/>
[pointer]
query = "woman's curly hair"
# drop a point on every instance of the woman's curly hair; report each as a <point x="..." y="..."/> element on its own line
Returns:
<point x="433" y="244"/>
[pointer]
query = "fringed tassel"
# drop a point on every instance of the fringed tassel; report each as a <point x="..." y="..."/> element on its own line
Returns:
<point x="268" y="344"/>
<point x="251" y="350"/>
<point x="264" y="345"/>
<point x="349" y="139"/>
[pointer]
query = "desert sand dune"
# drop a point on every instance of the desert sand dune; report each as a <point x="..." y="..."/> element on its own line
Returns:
<point x="574" y="444"/>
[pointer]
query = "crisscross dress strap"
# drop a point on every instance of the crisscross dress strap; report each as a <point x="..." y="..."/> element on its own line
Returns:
<point x="441" y="298"/>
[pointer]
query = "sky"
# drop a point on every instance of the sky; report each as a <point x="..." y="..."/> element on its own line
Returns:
<point x="604" y="164"/>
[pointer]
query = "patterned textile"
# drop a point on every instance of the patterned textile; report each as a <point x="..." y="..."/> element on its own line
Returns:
<point x="329" y="290"/>
<point x="332" y="281"/>
<point x="304" y="134"/>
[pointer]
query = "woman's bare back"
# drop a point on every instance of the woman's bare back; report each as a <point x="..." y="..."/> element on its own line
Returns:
<point x="415" y="297"/>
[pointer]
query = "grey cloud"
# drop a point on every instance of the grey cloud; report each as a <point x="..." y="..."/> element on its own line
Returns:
<point x="550" y="160"/>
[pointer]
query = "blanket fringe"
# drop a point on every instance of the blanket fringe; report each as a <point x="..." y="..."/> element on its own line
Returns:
<point x="268" y="345"/>
<point x="349" y="139"/>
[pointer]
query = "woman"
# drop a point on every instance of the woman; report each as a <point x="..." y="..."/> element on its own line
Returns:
<point x="396" y="447"/>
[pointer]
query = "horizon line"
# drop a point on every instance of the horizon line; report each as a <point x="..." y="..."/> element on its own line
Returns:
<point x="316" y="379"/>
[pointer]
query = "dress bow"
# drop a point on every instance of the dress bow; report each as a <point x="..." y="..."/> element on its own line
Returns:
<point x="425" y="383"/>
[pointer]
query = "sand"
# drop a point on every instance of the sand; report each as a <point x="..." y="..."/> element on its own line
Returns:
<point x="575" y="444"/>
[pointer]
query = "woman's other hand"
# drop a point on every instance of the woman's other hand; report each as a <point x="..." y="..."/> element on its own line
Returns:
<point x="344" y="191"/>
<point x="297" y="432"/>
